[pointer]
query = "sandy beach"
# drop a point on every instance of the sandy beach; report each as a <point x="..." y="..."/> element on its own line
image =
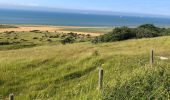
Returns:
<point x="59" y="29"/>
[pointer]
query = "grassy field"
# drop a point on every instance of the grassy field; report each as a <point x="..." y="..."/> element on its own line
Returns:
<point x="70" y="72"/>
<point x="15" y="40"/>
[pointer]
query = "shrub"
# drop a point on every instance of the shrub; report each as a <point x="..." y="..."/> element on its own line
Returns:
<point x="49" y="40"/>
<point x="63" y="35"/>
<point x="68" y="40"/>
<point x="165" y="32"/>
<point x="149" y="26"/>
<point x="35" y="37"/>
<point x="56" y="36"/>
<point x="118" y="34"/>
<point x="88" y="35"/>
<point x="15" y="38"/>
<point x="146" y="33"/>
<point x="72" y="34"/>
<point x="4" y="43"/>
<point x="35" y="31"/>
<point x="124" y="33"/>
<point x="9" y="32"/>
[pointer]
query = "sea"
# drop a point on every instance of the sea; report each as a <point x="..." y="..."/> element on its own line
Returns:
<point x="76" y="19"/>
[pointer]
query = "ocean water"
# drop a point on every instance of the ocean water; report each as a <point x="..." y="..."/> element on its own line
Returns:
<point x="73" y="19"/>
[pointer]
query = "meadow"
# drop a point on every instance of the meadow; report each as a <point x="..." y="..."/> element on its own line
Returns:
<point x="49" y="70"/>
<point x="15" y="40"/>
<point x="62" y="72"/>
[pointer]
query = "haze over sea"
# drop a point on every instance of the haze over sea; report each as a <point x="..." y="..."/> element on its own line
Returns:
<point x="76" y="19"/>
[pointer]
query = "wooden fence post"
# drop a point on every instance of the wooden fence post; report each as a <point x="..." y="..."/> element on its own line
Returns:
<point x="151" y="57"/>
<point x="100" y="78"/>
<point x="11" y="96"/>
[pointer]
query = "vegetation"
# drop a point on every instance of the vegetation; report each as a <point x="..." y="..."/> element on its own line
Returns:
<point x="36" y="31"/>
<point x="15" y="40"/>
<point x="124" y="33"/>
<point x="68" y="40"/>
<point x="41" y="67"/>
<point x="70" y="71"/>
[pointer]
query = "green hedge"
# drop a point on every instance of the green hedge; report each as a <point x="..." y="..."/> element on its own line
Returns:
<point x="124" y="33"/>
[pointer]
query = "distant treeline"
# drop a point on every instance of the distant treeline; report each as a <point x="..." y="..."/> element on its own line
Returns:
<point x="7" y="26"/>
<point x="124" y="33"/>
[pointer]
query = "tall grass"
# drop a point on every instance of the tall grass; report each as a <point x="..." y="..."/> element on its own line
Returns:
<point x="70" y="71"/>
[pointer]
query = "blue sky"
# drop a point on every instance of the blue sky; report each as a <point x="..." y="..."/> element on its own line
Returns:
<point x="159" y="7"/>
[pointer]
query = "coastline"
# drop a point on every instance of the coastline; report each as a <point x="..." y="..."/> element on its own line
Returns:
<point x="59" y="29"/>
<point x="92" y="30"/>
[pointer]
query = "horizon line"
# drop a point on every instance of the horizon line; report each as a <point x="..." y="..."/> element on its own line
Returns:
<point x="86" y="11"/>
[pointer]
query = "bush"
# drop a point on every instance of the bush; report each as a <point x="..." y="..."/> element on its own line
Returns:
<point x="35" y="37"/>
<point x="88" y="35"/>
<point x="71" y="34"/>
<point x="56" y="36"/>
<point x="68" y="40"/>
<point x="49" y="40"/>
<point x="15" y="38"/>
<point x="124" y="33"/>
<point x="9" y="32"/>
<point x="146" y="33"/>
<point x="165" y="32"/>
<point x="4" y="43"/>
<point x="36" y="31"/>
<point x="118" y="34"/>
<point x="149" y="26"/>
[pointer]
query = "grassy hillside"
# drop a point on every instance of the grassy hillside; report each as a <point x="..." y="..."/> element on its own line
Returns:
<point x="70" y="72"/>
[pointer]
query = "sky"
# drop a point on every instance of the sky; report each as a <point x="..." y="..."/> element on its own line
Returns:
<point x="158" y="7"/>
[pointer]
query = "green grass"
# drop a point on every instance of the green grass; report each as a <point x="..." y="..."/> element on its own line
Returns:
<point x="17" y="40"/>
<point x="70" y="72"/>
<point x="90" y="29"/>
